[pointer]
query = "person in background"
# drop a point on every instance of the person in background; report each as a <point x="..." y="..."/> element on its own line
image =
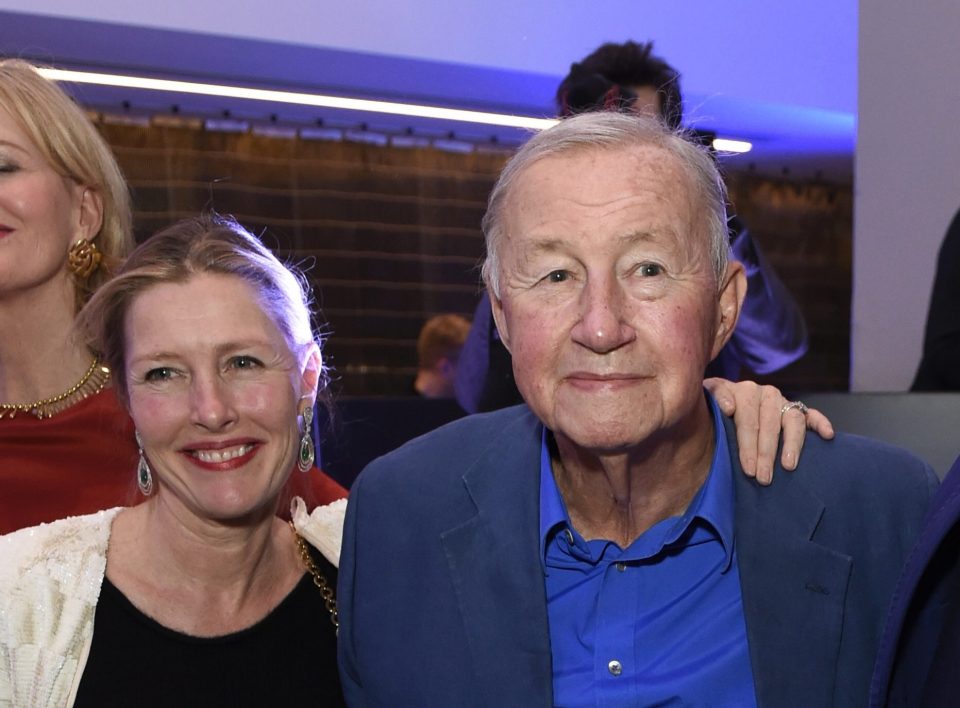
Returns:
<point x="920" y="650"/>
<point x="66" y="443"/>
<point x="771" y="332"/>
<point x="600" y="545"/>
<point x="438" y="351"/>
<point x="209" y="339"/>
<point x="939" y="368"/>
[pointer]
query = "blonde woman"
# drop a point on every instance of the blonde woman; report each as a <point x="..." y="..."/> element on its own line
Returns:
<point x="64" y="226"/>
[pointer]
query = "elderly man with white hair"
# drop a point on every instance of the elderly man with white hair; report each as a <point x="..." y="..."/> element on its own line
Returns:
<point x="599" y="544"/>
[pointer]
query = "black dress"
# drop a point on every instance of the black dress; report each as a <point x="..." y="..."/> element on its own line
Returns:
<point x="289" y="658"/>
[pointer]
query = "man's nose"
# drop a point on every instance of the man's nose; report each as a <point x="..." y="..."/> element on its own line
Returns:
<point x="603" y="325"/>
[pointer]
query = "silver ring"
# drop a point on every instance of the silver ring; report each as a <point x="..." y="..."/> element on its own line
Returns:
<point x="799" y="405"/>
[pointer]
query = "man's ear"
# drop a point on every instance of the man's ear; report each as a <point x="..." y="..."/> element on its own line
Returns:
<point x="733" y="289"/>
<point x="89" y="213"/>
<point x="496" y="305"/>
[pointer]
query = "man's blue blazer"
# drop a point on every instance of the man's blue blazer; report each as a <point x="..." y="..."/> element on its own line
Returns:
<point x="441" y="592"/>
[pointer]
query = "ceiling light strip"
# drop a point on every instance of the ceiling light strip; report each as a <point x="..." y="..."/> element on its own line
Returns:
<point x="324" y="101"/>
<point x="302" y="99"/>
<point x="728" y="145"/>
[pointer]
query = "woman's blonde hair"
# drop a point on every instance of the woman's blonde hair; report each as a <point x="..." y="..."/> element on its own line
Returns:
<point x="75" y="150"/>
<point x="208" y="243"/>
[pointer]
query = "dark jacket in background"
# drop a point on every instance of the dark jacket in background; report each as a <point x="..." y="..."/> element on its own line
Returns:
<point x="940" y="366"/>
<point x="918" y="663"/>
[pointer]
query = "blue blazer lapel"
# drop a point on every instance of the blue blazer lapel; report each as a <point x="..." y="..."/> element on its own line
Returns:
<point x="793" y="590"/>
<point x="495" y="569"/>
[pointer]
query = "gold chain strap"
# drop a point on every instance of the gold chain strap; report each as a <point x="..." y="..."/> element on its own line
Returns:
<point x="326" y="592"/>
<point x="92" y="382"/>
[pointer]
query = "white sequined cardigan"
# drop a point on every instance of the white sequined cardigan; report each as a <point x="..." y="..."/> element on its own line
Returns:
<point x="50" y="578"/>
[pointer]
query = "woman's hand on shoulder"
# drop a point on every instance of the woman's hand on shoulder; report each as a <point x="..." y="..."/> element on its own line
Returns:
<point x="761" y="414"/>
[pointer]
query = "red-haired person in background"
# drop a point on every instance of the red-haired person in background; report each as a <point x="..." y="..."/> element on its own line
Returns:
<point x="438" y="353"/>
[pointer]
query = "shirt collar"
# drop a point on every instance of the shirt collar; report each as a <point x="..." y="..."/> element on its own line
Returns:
<point x="713" y="502"/>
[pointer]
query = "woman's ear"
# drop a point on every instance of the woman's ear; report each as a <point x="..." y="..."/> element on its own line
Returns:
<point x="311" y="372"/>
<point x="89" y="214"/>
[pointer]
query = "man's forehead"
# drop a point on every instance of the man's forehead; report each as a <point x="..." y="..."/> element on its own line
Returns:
<point x="623" y="163"/>
<point x="635" y="194"/>
<point x="601" y="175"/>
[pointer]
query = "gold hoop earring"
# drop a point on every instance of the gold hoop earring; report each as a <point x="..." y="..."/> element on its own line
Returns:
<point x="83" y="258"/>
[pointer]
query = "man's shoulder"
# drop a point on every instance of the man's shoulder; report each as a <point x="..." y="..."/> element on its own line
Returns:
<point x="850" y="464"/>
<point x="862" y="486"/>
<point x="860" y="464"/>
<point x="454" y="446"/>
<point x="436" y="476"/>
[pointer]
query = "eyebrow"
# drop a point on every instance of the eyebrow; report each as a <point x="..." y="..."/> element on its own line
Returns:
<point x="544" y="245"/>
<point x="635" y="237"/>
<point x="15" y="146"/>
<point x="222" y="349"/>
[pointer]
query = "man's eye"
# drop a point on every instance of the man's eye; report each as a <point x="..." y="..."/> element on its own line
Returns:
<point x="649" y="269"/>
<point x="245" y="362"/>
<point x="557" y="276"/>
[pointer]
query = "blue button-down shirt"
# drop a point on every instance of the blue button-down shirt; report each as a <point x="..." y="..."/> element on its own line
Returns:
<point x="658" y="623"/>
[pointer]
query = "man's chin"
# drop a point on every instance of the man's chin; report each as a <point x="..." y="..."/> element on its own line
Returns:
<point x="604" y="437"/>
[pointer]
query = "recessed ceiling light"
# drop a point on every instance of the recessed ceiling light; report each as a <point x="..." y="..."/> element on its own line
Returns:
<point x="728" y="145"/>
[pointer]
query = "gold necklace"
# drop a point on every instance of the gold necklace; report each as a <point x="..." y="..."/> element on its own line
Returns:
<point x="92" y="382"/>
<point x="326" y="592"/>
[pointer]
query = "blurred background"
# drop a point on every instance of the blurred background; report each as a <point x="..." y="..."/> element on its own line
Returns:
<point x="848" y="186"/>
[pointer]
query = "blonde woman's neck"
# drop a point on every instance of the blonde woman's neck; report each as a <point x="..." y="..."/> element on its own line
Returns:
<point x="40" y="355"/>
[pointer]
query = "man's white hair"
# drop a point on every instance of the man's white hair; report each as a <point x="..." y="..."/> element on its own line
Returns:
<point x="607" y="130"/>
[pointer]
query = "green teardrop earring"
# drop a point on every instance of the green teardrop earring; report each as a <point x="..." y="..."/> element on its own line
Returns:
<point x="307" y="453"/>
<point x="144" y="475"/>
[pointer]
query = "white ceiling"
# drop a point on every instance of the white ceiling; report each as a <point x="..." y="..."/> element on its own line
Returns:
<point x="782" y="75"/>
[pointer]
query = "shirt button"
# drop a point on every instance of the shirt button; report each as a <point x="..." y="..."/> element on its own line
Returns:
<point x="621" y="567"/>
<point x="569" y="534"/>
<point x="615" y="668"/>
